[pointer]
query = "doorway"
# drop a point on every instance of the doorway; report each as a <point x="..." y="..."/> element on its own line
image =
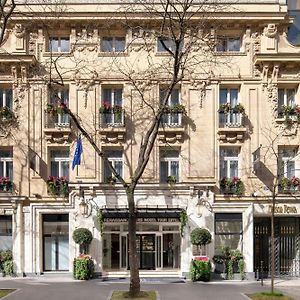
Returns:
<point x="56" y="242"/>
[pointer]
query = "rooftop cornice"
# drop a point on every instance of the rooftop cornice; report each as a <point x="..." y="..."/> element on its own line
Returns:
<point x="17" y="58"/>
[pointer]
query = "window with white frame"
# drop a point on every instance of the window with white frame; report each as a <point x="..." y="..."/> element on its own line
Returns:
<point x="59" y="44"/>
<point x="60" y="97"/>
<point x="116" y="159"/>
<point x="113" y="44"/>
<point x="6" y="98"/>
<point x="229" y="162"/>
<point x="228" y="101"/>
<point x="165" y="44"/>
<point x="228" y="44"/>
<point x="287" y="157"/>
<point x="171" y="118"/>
<point x="112" y="102"/>
<point x="6" y="163"/>
<point x="286" y="98"/>
<point x="169" y="165"/>
<point x="59" y="163"/>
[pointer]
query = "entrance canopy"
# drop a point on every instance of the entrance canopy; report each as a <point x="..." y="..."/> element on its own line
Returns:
<point x="153" y="214"/>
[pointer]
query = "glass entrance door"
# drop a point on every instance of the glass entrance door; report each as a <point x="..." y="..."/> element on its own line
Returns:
<point x="56" y="242"/>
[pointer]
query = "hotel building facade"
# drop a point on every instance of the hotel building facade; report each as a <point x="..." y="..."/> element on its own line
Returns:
<point x="240" y="124"/>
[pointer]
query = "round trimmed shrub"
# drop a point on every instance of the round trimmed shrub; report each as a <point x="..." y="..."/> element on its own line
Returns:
<point x="82" y="236"/>
<point x="200" y="236"/>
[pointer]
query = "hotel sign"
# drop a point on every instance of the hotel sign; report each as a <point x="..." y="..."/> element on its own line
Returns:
<point x="147" y="220"/>
<point x="283" y="209"/>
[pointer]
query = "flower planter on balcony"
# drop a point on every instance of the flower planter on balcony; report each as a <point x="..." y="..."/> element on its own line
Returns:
<point x="58" y="186"/>
<point x="289" y="185"/>
<point x="5" y="184"/>
<point x="232" y="186"/>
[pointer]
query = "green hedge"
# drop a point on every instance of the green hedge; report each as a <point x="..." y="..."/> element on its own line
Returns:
<point x="83" y="268"/>
<point x="200" y="270"/>
<point x="6" y="262"/>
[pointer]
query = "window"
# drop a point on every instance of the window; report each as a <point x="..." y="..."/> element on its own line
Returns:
<point x="165" y="44"/>
<point x="169" y="165"/>
<point x="5" y="232"/>
<point x="59" y="96"/>
<point x="116" y="159"/>
<point x="112" y="103"/>
<point x="229" y="116"/>
<point x="59" y="44"/>
<point x="59" y="162"/>
<point x="172" y="118"/>
<point x="6" y="98"/>
<point x="287" y="162"/>
<point x="229" y="162"/>
<point x="113" y="44"/>
<point x="228" y="44"/>
<point x="286" y="97"/>
<point x="228" y="231"/>
<point x="6" y="164"/>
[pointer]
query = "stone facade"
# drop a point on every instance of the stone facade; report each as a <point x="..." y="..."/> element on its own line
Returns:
<point x="88" y="55"/>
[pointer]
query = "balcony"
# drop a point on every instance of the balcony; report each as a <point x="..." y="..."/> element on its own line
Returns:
<point x="57" y="127"/>
<point x="112" y="126"/>
<point x="171" y="129"/>
<point x="289" y="185"/>
<point x="231" y="126"/>
<point x="6" y="186"/>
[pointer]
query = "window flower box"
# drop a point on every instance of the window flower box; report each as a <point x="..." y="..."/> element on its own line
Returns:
<point x="58" y="186"/>
<point x="5" y="184"/>
<point x="289" y="185"/>
<point x="6" y="113"/>
<point x="233" y="186"/>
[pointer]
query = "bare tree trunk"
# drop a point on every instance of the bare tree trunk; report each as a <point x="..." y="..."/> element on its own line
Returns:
<point x="135" y="287"/>
<point x="272" y="244"/>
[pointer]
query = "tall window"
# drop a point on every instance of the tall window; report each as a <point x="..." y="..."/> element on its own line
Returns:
<point x="6" y="98"/>
<point x="59" y="44"/>
<point x="164" y="44"/>
<point x="229" y="99"/>
<point x="171" y="118"/>
<point x="286" y="97"/>
<point x="116" y="159"/>
<point x="169" y="165"/>
<point x="287" y="162"/>
<point x="5" y="232"/>
<point x="113" y="44"/>
<point x="228" y="231"/>
<point x="229" y="162"/>
<point x="228" y="44"/>
<point x="112" y="102"/>
<point x="60" y="96"/>
<point x="59" y="162"/>
<point x="6" y="163"/>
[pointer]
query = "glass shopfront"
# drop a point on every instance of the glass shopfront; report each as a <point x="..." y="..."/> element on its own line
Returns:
<point x="56" y="242"/>
<point x="158" y="246"/>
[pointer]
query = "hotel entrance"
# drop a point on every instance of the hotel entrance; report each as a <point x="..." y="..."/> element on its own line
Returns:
<point x="158" y="247"/>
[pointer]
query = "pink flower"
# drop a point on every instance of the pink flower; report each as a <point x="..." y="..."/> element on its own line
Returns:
<point x="200" y="258"/>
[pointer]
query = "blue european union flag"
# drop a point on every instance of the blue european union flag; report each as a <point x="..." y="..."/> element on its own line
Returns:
<point x="77" y="154"/>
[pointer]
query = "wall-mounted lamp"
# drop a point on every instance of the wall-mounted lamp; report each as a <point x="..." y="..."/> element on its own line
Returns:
<point x="202" y="203"/>
<point x="84" y="208"/>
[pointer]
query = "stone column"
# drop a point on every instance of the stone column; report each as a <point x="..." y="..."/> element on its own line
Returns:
<point x="18" y="234"/>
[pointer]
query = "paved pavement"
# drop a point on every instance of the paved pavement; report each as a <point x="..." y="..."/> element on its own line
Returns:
<point x="55" y="288"/>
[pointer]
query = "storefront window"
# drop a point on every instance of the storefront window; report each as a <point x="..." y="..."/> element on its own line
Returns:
<point x="228" y="231"/>
<point x="5" y="232"/>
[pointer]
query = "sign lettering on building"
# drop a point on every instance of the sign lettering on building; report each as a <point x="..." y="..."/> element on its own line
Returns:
<point x="283" y="209"/>
<point x="147" y="220"/>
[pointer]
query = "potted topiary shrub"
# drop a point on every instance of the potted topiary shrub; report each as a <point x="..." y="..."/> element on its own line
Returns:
<point x="200" y="266"/>
<point x="82" y="237"/>
<point x="83" y="264"/>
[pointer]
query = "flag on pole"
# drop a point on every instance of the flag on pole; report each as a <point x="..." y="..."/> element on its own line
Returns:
<point x="77" y="154"/>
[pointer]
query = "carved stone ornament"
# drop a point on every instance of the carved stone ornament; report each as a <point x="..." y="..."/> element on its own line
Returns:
<point x="256" y="42"/>
<point x="270" y="31"/>
<point x="19" y="31"/>
<point x="33" y="36"/>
